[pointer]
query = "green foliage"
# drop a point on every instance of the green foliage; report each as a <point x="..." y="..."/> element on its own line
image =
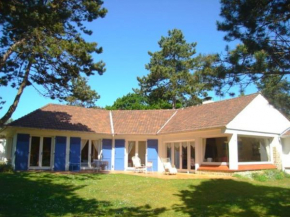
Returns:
<point x="131" y="101"/>
<point x="41" y="46"/>
<point x="172" y="76"/>
<point x="136" y="101"/>
<point x="81" y="93"/>
<point x="264" y="176"/>
<point x="276" y="90"/>
<point x="260" y="177"/>
<point x="263" y="28"/>
<point x="5" y="168"/>
<point x="262" y="58"/>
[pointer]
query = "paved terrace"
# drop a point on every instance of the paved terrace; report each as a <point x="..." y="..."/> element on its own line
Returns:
<point x="153" y="174"/>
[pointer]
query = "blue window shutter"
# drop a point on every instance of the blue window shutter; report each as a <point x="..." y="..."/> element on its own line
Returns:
<point x="107" y="152"/>
<point x="119" y="154"/>
<point x="22" y="152"/>
<point x="60" y="153"/>
<point x="152" y="152"/>
<point x="75" y="154"/>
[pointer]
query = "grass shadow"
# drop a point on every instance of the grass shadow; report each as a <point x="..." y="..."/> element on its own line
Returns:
<point x="233" y="198"/>
<point x="47" y="194"/>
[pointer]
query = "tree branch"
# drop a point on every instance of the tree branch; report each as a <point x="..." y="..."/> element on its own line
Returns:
<point x="13" y="107"/>
<point x="9" y="52"/>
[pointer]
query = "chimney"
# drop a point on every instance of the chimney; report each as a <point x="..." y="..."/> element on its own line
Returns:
<point x="207" y="100"/>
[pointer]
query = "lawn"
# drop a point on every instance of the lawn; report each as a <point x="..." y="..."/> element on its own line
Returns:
<point x="51" y="194"/>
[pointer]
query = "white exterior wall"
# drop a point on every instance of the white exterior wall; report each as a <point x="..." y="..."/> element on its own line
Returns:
<point x="2" y="149"/>
<point x="260" y="116"/>
<point x="286" y="152"/>
<point x="8" y="149"/>
<point x="197" y="136"/>
<point x="233" y="152"/>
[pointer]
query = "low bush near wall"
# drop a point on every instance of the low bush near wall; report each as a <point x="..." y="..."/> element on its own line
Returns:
<point x="5" y="168"/>
<point x="263" y="176"/>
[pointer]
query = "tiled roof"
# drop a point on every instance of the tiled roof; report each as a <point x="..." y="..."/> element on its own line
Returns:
<point x="211" y="115"/>
<point x="72" y="118"/>
<point x="63" y="117"/>
<point x="140" y="121"/>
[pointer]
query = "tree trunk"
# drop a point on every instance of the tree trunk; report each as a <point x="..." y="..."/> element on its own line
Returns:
<point x="174" y="103"/>
<point x="14" y="105"/>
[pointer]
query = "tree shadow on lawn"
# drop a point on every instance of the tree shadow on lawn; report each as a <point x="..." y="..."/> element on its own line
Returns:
<point x="234" y="198"/>
<point x="36" y="194"/>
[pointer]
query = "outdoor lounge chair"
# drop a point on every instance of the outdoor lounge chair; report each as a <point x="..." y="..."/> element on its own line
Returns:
<point x="138" y="167"/>
<point x="168" y="168"/>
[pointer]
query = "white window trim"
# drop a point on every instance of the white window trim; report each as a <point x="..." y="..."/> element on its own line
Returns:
<point x="188" y="141"/>
<point x="136" y="151"/>
<point x="41" y="153"/>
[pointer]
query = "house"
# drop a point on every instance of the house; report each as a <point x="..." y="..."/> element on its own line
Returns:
<point x="243" y="133"/>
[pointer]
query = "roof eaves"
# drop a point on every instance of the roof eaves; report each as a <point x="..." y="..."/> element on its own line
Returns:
<point x="34" y="128"/>
<point x="191" y="130"/>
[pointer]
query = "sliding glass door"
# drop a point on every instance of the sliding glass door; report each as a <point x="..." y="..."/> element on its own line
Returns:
<point x="46" y="152"/>
<point x="184" y="155"/>
<point x="177" y="155"/>
<point x="181" y="154"/>
<point x="136" y="148"/>
<point x="40" y="152"/>
<point x="35" y="152"/>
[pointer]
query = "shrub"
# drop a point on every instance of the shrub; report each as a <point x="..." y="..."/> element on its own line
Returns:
<point x="261" y="177"/>
<point x="5" y="168"/>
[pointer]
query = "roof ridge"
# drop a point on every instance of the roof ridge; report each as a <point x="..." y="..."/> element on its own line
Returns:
<point x="167" y="121"/>
<point x="220" y="101"/>
<point x="112" y="123"/>
<point x="75" y="106"/>
<point x="143" y="110"/>
<point x="103" y="109"/>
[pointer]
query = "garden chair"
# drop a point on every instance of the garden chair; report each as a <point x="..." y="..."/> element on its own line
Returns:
<point x="168" y="168"/>
<point x="138" y="167"/>
<point x="149" y="165"/>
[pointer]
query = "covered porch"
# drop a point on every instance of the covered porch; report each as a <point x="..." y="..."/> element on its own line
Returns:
<point x="222" y="151"/>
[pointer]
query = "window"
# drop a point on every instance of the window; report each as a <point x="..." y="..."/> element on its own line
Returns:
<point x="253" y="149"/>
<point x="40" y="151"/>
<point x="192" y="155"/>
<point x="168" y="151"/>
<point x="216" y="150"/>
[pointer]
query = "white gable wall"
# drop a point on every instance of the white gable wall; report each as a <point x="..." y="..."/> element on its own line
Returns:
<point x="260" y="116"/>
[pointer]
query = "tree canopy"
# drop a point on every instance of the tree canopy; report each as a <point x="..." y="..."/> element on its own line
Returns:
<point x="41" y="46"/>
<point x="262" y="27"/>
<point x="172" y="79"/>
<point x="82" y="94"/>
<point x="262" y="57"/>
<point x="131" y="101"/>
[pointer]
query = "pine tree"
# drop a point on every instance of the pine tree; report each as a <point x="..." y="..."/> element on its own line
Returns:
<point x="41" y="46"/>
<point x="172" y="79"/>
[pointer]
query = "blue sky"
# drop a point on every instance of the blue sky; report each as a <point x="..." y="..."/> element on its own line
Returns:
<point x="131" y="29"/>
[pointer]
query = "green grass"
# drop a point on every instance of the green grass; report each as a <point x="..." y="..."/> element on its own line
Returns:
<point x="50" y="194"/>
